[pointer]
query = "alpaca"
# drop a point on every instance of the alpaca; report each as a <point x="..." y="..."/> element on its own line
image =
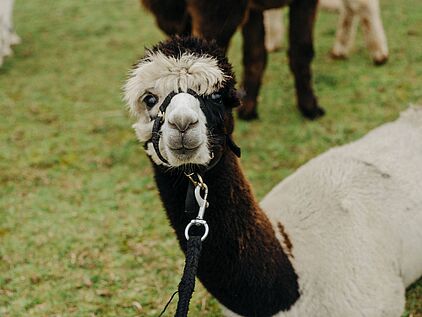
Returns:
<point x="339" y="237"/>
<point x="367" y="10"/>
<point x="219" y="20"/>
<point x="7" y="36"/>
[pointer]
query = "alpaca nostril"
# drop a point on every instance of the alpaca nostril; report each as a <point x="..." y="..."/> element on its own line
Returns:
<point x="182" y="125"/>
<point x="172" y="125"/>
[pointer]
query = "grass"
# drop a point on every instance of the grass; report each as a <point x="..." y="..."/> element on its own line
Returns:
<point x="82" y="230"/>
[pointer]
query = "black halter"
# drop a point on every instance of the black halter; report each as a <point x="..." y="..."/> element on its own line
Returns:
<point x="159" y="120"/>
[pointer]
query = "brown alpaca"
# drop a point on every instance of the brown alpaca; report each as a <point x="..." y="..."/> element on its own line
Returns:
<point x="241" y="232"/>
<point x="219" y="20"/>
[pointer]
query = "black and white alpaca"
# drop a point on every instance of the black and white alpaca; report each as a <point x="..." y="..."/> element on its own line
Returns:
<point x="218" y="20"/>
<point x="7" y="36"/>
<point x="340" y="237"/>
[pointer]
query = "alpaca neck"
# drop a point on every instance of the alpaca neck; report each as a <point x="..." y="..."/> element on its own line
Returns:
<point x="242" y="263"/>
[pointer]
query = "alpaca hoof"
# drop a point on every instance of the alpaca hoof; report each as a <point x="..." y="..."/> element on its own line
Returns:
<point x="248" y="115"/>
<point x="380" y="56"/>
<point x="314" y="113"/>
<point x="15" y="39"/>
<point x="338" y="55"/>
<point x="273" y="48"/>
<point x="247" y="111"/>
<point x="381" y="61"/>
<point x="7" y="52"/>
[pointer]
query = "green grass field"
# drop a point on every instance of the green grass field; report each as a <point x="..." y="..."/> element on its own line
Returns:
<point x="82" y="230"/>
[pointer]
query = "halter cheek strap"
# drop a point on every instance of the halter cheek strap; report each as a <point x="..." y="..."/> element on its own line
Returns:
<point x="159" y="120"/>
<point x="156" y="128"/>
<point x="155" y="139"/>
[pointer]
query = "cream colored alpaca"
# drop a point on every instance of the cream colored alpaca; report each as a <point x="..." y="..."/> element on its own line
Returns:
<point x="7" y="36"/>
<point x="274" y="25"/>
<point x="350" y="10"/>
<point x="354" y="218"/>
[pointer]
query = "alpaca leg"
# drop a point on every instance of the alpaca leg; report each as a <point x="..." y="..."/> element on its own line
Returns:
<point x="171" y="16"/>
<point x="5" y="27"/>
<point x="274" y="29"/>
<point x="346" y="31"/>
<point x="374" y="31"/>
<point x="254" y="62"/>
<point x="14" y="39"/>
<point x="301" y="52"/>
<point x="2" y="34"/>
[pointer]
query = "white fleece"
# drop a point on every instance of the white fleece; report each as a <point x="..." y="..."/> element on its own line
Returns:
<point x="354" y="217"/>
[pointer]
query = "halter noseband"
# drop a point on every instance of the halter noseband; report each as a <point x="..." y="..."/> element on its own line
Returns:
<point x="159" y="120"/>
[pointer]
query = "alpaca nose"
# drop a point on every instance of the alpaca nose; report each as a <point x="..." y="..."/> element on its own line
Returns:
<point x="183" y="122"/>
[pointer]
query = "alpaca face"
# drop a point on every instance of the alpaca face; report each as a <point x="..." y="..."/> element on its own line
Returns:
<point x="192" y="87"/>
<point x="184" y="132"/>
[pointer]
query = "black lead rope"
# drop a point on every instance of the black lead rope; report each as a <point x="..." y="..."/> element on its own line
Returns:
<point x="187" y="283"/>
<point x="193" y="244"/>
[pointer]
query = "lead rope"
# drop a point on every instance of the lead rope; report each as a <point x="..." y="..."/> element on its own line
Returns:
<point x="187" y="283"/>
<point x="193" y="251"/>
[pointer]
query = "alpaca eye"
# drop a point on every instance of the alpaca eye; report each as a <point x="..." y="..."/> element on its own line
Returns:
<point x="216" y="97"/>
<point x="150" y="100"/>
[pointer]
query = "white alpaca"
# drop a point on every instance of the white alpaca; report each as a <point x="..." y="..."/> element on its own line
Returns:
<point x="357" y="211"/>
<point x="7" y="36"/>
<point x="350" y="10"/>
<point x="354" y="219"/>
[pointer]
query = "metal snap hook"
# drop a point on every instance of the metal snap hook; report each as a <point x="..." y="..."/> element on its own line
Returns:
<point x="202" y="202"/>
